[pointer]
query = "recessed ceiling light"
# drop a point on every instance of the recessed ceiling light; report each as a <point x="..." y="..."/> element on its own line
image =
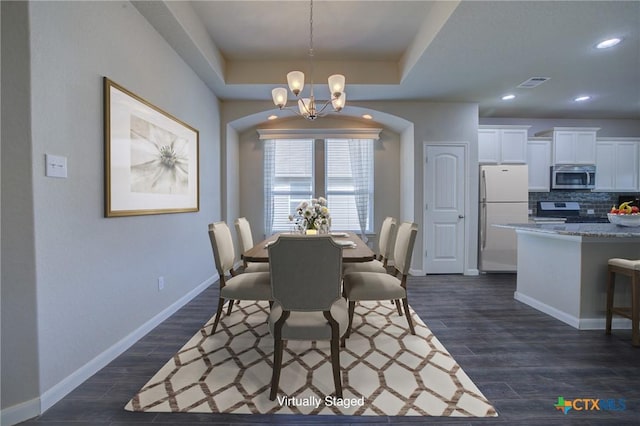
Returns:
<point x="272" y="117"/>
<point x="508" y="97"/>
<point x="582" y="98"/>
<point x="367" y="116"/>
<point x="608" y="43"/>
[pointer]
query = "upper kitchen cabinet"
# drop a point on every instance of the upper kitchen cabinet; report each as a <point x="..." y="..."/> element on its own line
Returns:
<point x="573" y="145"/>
<point x="617" y="167"/>
<point x="539" y="162"/>
<point x="502" y="144"/>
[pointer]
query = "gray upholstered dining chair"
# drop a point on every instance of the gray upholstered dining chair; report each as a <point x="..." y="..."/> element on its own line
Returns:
<point x="360" y="286"/>
<point x="245" y="286"/>
<point x="386" y="239"/>
<point x="245" y="238"/>
<point x="307" y="304"/>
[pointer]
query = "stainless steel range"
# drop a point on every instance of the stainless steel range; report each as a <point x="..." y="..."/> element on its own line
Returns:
<point x="564" y="211"/>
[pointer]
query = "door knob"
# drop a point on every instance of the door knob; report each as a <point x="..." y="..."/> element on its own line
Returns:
<point x="460" y="216"/>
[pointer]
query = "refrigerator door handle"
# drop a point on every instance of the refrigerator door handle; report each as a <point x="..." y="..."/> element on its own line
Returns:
<point x="483" y="227"/>
<point x="483" y="186"/>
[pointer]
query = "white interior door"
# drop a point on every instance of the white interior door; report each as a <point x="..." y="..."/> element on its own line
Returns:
<point x="444" y="218"/>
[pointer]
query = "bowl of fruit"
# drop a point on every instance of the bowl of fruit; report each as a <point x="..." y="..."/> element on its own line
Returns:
<point x="625" y="215"/>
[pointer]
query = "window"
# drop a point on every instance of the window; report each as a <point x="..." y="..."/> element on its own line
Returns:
<point x="346" y="180"/>
<point x="349" y="182"/>
<point x="290" y="172"/>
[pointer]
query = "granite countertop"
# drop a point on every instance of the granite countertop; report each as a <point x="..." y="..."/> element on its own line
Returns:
<point x="578" y="229"/>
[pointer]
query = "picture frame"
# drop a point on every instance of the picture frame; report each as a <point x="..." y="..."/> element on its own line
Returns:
<point x="151" y="158"/>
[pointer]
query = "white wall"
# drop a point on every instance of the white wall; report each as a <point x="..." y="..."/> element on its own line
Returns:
<point x="20" y="378"/>
<point x="96" y="278"/>
<point x="407" y="173"/>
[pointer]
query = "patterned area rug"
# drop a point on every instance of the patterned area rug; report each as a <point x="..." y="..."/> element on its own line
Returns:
<point x="385" y="371"/>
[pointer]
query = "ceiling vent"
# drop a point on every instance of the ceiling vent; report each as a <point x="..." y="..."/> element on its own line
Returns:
<point x="532" y="82"/>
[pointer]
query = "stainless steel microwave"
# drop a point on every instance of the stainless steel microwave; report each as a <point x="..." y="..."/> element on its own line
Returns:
<point x="570" y="176"/>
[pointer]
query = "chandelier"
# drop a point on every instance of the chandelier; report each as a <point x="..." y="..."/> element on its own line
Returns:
<point x="307" y="107"/>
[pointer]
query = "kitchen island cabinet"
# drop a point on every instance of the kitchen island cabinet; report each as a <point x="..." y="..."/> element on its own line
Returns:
<point x="562" y="269"/>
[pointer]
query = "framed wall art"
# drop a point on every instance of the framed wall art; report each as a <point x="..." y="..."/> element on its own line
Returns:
<point x="151" y="158"/>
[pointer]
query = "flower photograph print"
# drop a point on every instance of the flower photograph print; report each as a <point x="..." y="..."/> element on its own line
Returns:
<point x="151" y="158"/>
<point x="159" y="159"/>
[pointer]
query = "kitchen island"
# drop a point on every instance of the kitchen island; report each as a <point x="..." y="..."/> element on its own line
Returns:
<point x="562" y="269"/>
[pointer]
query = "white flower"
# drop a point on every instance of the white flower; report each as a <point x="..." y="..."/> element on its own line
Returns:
<point x="311" y="214"/>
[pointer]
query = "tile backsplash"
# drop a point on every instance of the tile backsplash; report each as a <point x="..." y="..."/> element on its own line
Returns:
<point x="600" y="202"/>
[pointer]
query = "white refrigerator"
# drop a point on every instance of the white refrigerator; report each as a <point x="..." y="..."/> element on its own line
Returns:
<point x="504" y="198"/>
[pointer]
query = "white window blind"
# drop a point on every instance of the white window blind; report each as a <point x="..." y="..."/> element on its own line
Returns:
<point x="349" y="183"/>
<point x="292" y="180"/>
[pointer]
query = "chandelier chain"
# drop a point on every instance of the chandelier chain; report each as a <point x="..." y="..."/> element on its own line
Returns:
<point x="311" y="46"/>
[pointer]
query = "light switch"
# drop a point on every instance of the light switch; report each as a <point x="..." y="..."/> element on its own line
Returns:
<point x="56" y="166"/>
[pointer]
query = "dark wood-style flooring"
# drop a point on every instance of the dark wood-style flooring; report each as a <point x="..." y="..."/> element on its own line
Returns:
<point x="522" y="360"/>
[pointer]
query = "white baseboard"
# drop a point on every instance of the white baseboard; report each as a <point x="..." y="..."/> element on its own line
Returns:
<point x="549" y="310"/>
<point x="579" y="323"/>
<point x="420" y="272"/>
<point x="617" y="323"/>
<point x="20" y="412"/>
<point x="24" y="411"/>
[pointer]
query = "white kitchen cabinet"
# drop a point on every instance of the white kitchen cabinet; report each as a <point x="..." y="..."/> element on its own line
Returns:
<point x="617" y="164"/>
<point x="502" y="144"/>
<point x="573" y="145"/>
<point x="539" y="162"/>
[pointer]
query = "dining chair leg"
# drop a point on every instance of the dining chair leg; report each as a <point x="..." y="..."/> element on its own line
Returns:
<point x="398" y="307"/>
<point x="635" y="309"/>
<point x="352" y="308"/>
<point x="278" y="347"/>
<point x="611" y="282"/>
<point x="335" y="363"/>
<point x="218" y="313"/>
<point x="277" y="364"/>
<point x="335" y="353"/>
<point x="230" y="307"/>
<point x="405" y="303"/>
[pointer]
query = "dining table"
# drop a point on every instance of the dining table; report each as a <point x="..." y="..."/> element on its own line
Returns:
<point x="354" y="249"/>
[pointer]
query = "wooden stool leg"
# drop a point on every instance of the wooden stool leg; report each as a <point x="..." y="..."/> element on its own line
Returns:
<point x="635" y="308"/>
<point x="611" y="281"/>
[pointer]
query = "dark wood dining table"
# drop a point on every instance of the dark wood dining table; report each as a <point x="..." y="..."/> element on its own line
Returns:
<point x="360" y="253"/>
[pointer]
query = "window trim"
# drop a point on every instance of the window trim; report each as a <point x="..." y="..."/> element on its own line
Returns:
<point x="348" y="133"/>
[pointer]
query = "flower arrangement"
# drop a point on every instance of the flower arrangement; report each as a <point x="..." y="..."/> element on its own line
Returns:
<point x="312" y="214"/>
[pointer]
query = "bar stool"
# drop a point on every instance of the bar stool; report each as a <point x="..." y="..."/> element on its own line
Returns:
<point x="631" y="269"/>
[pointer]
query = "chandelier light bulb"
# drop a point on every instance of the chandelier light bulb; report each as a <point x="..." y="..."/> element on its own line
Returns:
<point x="296" y="81"/>
<point x="336" y="84"/>
<point x="279" y="95"/>
<point x="339" y="101"/>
